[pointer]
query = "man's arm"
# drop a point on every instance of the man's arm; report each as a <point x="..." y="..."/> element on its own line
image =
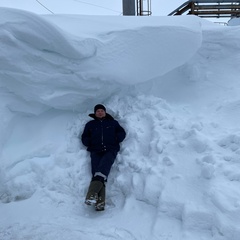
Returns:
<point x="121" y="134"/>
<point x="86" y="136"/>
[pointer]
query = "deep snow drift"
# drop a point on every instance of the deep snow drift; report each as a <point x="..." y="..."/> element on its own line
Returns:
<point x="172" y="83"/>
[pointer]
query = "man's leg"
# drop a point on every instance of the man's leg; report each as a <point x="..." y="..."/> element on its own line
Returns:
<point x="95" y="161"/>
<point x="94" y="189"/>
<point x="100" y="205"/>
<point x="105" y="164"/>
<point x="101" y="166"/>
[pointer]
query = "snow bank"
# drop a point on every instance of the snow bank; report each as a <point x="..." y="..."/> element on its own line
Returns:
<point x="172" y="83"/>
<point x="78" y="68"/>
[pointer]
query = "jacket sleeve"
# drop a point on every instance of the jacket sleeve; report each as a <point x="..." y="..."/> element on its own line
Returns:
<point x="86" y="136"/>
<point x="121" y="134"/>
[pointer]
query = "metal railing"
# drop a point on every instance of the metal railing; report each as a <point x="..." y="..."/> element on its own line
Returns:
<point x="209" y="8"/>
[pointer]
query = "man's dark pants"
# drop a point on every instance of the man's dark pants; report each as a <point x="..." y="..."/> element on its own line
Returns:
<point x="102" y="161"/>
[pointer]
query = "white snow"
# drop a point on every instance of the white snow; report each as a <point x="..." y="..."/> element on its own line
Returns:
<point x="171" y="82"/>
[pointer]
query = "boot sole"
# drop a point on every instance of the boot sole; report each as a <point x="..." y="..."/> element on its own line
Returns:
<point x="100" y="209"/>
<point x="100" y="206"/>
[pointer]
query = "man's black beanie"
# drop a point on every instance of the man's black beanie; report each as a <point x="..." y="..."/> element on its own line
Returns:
<point x="99" y="106"/>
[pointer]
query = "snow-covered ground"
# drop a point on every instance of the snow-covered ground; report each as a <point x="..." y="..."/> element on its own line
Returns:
<point x="171" y="82"/>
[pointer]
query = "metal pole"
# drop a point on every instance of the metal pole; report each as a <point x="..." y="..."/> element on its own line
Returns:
<point x="128" y="7"/>
<point x="141" y="7"/>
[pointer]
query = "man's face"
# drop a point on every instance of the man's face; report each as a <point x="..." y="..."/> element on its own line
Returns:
<point x="100" y="113"/>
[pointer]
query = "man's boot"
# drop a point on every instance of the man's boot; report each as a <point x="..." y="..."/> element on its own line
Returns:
<point x="100" y="205"/>
<point x="93" y="190"/>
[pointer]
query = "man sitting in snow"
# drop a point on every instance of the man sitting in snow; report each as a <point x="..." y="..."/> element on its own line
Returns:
<point x="101" y="136"/>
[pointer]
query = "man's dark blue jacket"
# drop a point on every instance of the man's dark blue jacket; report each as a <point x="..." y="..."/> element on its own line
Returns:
<point x="103" y="134"/>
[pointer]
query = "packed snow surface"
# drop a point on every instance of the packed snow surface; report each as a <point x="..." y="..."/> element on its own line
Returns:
<point x="171" y="82"/>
